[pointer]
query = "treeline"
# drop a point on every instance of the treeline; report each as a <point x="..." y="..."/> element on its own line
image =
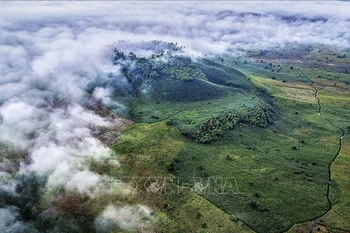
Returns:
<point x="166" y="64"/>
<point x="215" y="127"/>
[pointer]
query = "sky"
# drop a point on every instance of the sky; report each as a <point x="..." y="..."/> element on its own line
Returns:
<point x="50" y="52"/>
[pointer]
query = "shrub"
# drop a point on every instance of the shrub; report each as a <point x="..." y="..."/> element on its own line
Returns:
<point x="234" y="218"/>
<point x="170" y="122"/>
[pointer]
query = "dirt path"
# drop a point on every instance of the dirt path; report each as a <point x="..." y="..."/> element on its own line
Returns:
<point x="341" y="135"/>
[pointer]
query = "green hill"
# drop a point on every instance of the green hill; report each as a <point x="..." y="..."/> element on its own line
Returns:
<point x="191" y="94"/>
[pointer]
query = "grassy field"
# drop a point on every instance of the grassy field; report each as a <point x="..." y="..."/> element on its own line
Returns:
<point x="279" y="185"/>
<point x="281" y="171"/>
<point x="335" y="101"/>
<point x="188" y="104"/>
<point x="272" y="176"/>
<point x="333" y="92"/>
<point x="148" y="150"/>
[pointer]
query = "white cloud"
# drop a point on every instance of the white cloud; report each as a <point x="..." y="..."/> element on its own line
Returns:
<point x="200" y="27"/>
<point x="16" y="112"/>
<point x="50" y="52"/>
<point x="83" y="182"/>
<point x="102" y="94"/>
<point x="46" y="158"/>
<point x="125" y="217"/>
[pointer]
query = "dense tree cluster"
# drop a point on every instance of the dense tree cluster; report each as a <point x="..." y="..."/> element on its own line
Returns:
<point x="213" y="128"/>
<point x="167" y="64"/>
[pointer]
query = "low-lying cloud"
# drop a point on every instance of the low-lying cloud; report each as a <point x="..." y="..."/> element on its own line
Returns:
<point x="124" y="217"/>
<point x="200" y="26"/>
<point x="51" y="54"/>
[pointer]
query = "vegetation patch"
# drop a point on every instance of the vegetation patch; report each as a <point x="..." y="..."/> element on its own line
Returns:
<point x="281" y="170"/>
<point x="215" y="127"/>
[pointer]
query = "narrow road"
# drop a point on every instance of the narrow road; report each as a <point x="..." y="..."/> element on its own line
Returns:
<point x="342" y="133"/>
<point x="316" y="91"/>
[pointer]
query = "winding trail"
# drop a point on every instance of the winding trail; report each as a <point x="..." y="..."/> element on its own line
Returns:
<point x="342" y="133"/>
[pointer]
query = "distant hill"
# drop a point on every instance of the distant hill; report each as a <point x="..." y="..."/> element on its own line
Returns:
<point x="169" y="85"/>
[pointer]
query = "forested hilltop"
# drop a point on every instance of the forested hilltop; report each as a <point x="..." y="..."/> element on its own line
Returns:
<point x="167" y="84"/>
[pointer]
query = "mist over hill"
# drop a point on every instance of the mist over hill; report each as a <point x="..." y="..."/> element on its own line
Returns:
<point x="71" y="73"/>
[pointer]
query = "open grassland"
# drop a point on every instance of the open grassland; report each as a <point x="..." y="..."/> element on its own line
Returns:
<point x="332" y="84"/>
<point x="272" y="177"/>
<point x="335" y="101"/>
<point x="196" y="111"/>
<point x="282" y="179"/>
<point x="203" y="109"/>
<point x="280" y="172"/>
<point x="148" y="150"/>
<point x="269" y="69"/>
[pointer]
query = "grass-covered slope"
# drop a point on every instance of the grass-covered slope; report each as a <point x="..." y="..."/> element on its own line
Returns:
<point x="203" y="99"/>
<point x="281" y="172"/>
<point x="148" y="150"/>
<point x="329" y="71"/>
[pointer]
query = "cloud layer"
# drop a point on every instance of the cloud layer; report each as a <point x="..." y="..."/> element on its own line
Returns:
<point x="200" y="26"/>
<point x="51" y="54"/>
